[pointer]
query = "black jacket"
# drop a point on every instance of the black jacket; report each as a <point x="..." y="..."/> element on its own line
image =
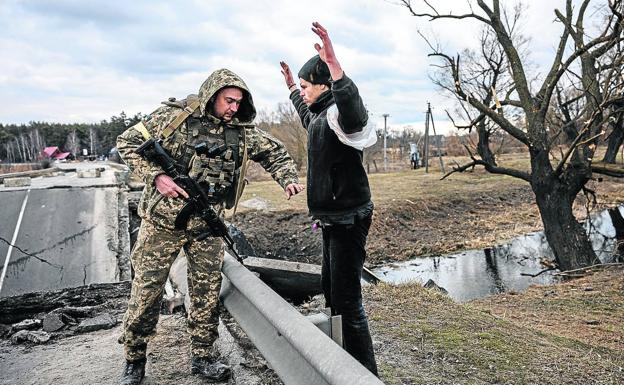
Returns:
<point x="337" y="183"/>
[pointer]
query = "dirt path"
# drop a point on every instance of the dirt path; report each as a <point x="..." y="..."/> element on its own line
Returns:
<point x="97" y="358"/>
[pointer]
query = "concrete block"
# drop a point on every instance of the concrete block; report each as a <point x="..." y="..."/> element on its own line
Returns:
<point x="93" y="173"/>
<point x="294" y="280"/>
<point x="37" y="337"/>
<point x="17" y="182"/>
<point x="53" y="322"/>
<point x="27" y="324"/>
<point x="102" y="321"/>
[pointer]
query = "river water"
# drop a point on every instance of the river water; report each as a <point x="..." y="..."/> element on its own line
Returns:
<point x="477" y="273"/>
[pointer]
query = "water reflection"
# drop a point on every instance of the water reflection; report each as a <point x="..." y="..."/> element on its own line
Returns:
<point x="477" y="273"/>
<point x="471" y="274"/>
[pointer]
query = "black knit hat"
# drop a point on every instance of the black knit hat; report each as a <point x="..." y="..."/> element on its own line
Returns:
<point x="315" y="71"/>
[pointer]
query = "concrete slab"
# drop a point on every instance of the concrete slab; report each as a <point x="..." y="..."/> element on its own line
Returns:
<point x="31" y="174"/>
<point x="68" y="177"/>
<point x="294" y="280"/>
<point x="17" y="182"/>
<point x="92" y="173"/>
<point x="67" y="237"/>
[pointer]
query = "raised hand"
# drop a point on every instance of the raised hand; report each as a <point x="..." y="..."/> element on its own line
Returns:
<point x="326" y="51"/>
<point x="288" y="78"/>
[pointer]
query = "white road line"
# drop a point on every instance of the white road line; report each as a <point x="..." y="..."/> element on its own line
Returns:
<point x="17" y="226"/>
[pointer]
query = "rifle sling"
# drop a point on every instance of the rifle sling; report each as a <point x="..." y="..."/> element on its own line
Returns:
<point x="181" y="117"/>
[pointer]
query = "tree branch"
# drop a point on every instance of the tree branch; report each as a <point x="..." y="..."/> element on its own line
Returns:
<point x="436" y="15"/>
<point x="490" y="168"/>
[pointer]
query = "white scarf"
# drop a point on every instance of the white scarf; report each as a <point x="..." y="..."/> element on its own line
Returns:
<point x="358" y="140"/>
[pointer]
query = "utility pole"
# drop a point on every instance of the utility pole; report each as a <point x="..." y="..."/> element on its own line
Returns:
<point x="428" y="117"/>
<point x="385" y="116"/>
<point x="438" y="139"/>
<point x="426" y="144"/>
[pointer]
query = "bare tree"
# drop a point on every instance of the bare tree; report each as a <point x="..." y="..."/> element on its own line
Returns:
<point x="612" y="64"/>
<point x="293" y="132"/>
<point x="72" y="144"/>
<point x="555" y="180"/>
<point x="285" y="125"/>
<point x="94" y="141"/>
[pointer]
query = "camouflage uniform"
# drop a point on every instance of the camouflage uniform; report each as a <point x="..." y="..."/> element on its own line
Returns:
<point x="221" y="176"/>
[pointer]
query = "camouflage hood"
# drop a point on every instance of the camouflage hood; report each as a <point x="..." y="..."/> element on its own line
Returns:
<point x="225" y="78"/>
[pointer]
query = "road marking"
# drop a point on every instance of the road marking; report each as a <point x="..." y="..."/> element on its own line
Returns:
<point x="17" y="226"/>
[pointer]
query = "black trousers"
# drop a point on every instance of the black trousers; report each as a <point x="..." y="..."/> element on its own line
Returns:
<point x="343" y="258"/>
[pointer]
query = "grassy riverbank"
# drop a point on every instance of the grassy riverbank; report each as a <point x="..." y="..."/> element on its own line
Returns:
<point x="423" y="337"/>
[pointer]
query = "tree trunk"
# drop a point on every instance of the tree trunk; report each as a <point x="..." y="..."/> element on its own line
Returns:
<point x="566" y="236"/>
<point x="618" y="224"/>
<point x="483" y="148"/>
<point x="615" y="140"/>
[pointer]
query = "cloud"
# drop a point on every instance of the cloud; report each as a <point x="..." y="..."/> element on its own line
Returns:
<point x="77" y="61"/>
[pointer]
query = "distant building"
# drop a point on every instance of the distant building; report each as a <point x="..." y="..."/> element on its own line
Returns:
<point x="437" y="140"/>
<point x="56" y="154"/>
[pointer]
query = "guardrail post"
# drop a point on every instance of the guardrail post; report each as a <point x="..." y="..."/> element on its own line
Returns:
<point x="330" y="325"/>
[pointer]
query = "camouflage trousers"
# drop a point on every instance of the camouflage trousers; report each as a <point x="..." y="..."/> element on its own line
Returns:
<point x="155" y="251"/>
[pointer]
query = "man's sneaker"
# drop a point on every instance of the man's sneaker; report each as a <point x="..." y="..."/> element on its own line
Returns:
<point x="212" y="370"/>
<point x="133" y="373"/>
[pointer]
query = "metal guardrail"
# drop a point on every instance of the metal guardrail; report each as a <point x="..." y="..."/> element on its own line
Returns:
<point x="298" y="351"/>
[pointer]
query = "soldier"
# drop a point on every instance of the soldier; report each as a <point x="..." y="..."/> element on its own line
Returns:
<point x="339" y="197"/>
<point x="219" y="117"/>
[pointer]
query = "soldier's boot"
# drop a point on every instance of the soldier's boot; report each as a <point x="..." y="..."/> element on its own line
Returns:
<point x="211" y="369"/>
<point x="133" y="373"/>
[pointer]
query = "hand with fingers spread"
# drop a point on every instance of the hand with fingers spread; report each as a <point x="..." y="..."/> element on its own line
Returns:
<point x="326" y="51"/>
<point x="288" y="77"/>
<point x="167" y="187"/>
<point x="293" y="189"/>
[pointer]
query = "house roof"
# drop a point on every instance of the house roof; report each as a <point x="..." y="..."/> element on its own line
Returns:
<point x="50" y="151"/>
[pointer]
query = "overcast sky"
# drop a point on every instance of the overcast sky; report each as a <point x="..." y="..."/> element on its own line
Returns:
<point x="84" y="61"/>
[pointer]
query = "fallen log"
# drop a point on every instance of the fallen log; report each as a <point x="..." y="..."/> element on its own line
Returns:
<point x="615" y="170"/>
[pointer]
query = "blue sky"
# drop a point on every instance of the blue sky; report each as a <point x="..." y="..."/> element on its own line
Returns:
<point x="84" y="61"/>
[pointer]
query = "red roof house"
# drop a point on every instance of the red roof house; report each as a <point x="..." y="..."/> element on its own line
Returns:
<point x="55" y="153"/>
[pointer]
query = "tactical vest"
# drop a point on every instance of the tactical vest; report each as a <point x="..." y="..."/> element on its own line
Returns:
<point x="209" y="151"/>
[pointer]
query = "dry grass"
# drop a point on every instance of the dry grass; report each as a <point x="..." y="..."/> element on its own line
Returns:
<point x="422" y="337"/>
<point x="588" y="309"/>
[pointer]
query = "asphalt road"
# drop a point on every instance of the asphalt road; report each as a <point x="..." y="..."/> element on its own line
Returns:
<point x="67" y="237"/>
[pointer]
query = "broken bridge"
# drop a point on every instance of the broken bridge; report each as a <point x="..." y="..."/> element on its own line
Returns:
<point x="64" y="228"/>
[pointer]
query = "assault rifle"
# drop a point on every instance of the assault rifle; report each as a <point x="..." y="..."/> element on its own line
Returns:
<point x="197" y="203"/>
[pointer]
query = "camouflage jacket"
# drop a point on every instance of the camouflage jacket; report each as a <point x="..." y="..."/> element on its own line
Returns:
<point x="253" y="144"/>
